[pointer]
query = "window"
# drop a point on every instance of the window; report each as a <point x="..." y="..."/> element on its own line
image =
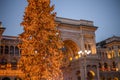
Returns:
<point x="90" y="75"/>
<point x="11" y="50"/>
<point x="100" y="66"/>
<point x="16" y="51"/>
<point x="1" y="50"/>
<point x="114" y="64"/>
<point x="85" y="47"/>
<point x="89" y="47"/>
<point x="6" y="49"/>
<point x="105" y="65"/>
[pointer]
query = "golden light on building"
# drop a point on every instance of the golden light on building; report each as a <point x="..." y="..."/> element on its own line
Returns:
<point x="117" y="69"/>
<point x="76" y="57"/>
<point x="93" y="74"/>
<point x="109" y="57"/>
<point x="70" y="59"/>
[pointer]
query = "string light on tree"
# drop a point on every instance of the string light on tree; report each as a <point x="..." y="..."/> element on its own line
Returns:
<point x="41" y="45"/>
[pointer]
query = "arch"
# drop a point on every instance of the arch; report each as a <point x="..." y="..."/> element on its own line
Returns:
<point x="74" y="40"/>
<point x="6" y="78"/>
<point x="71" y="48"/>
<point x="115" y="78"/>
<point x="105" y="65"/>
<point x="70" y="51"/>
<point x="113" y="64"/>
<point x="91" y="75"/>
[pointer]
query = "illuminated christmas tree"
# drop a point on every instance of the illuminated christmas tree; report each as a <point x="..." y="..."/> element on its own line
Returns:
<point x="41" y="45"/>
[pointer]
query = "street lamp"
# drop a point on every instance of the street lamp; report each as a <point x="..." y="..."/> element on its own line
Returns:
<point x="84" y="53"/>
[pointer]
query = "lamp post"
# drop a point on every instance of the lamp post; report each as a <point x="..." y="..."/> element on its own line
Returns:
<point x="84" y="54"/>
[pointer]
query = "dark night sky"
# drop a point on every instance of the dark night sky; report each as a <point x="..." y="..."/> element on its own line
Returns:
<point x="104" y="13"/>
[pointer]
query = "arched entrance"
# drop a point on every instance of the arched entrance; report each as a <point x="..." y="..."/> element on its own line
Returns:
<point x="70" y="51"/>
<point x="6" y="78"/>
<point x="90" y="75"/>
<point x="115" y="78"/>
<point x="78" y="75"/>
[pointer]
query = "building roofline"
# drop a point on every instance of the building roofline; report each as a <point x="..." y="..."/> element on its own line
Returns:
<point x="74" y="22"/>
<point x="9" y="37"/>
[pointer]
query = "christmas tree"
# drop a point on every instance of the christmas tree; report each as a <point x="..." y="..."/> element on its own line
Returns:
<point x="41" y="54"/>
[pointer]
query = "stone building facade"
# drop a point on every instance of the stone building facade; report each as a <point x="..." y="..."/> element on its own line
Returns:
<point x="78" y="35"/>
<point x="9" y="56"/>
<point x="109" y="53"/>
<point x="79" y="39"/>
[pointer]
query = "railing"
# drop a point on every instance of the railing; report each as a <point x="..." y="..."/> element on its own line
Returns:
<point x="8" y="72"/>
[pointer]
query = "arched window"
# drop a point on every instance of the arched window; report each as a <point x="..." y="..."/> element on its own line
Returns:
<point x="105" y="65"/>
<point x="6" y="49"/>
<point x="11" y="50"/>
<point x="1" y="50"/>
<point x="114" y="64"/>
<point x="85" y="46"/>
<point x="14" y="64"/>
<point x="116" y="78"/>
<point x="90" y="75"/>
<point x="16" y="51"/>
<point x="100" y="66"/>
<point x="89" y="47"/>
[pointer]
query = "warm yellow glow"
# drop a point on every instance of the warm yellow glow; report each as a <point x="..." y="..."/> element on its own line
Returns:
<point x="79" y="56"/>
<point x="117" y="69"/>
<point x="92" y="73"/>
<point x="109" y="57"/>
<point x="93" y="51"/>
<point x="76" y="57"/>
<point x="70" y="58"/>
<point x="119" y="53"/>
<point x="115" y="78"/>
